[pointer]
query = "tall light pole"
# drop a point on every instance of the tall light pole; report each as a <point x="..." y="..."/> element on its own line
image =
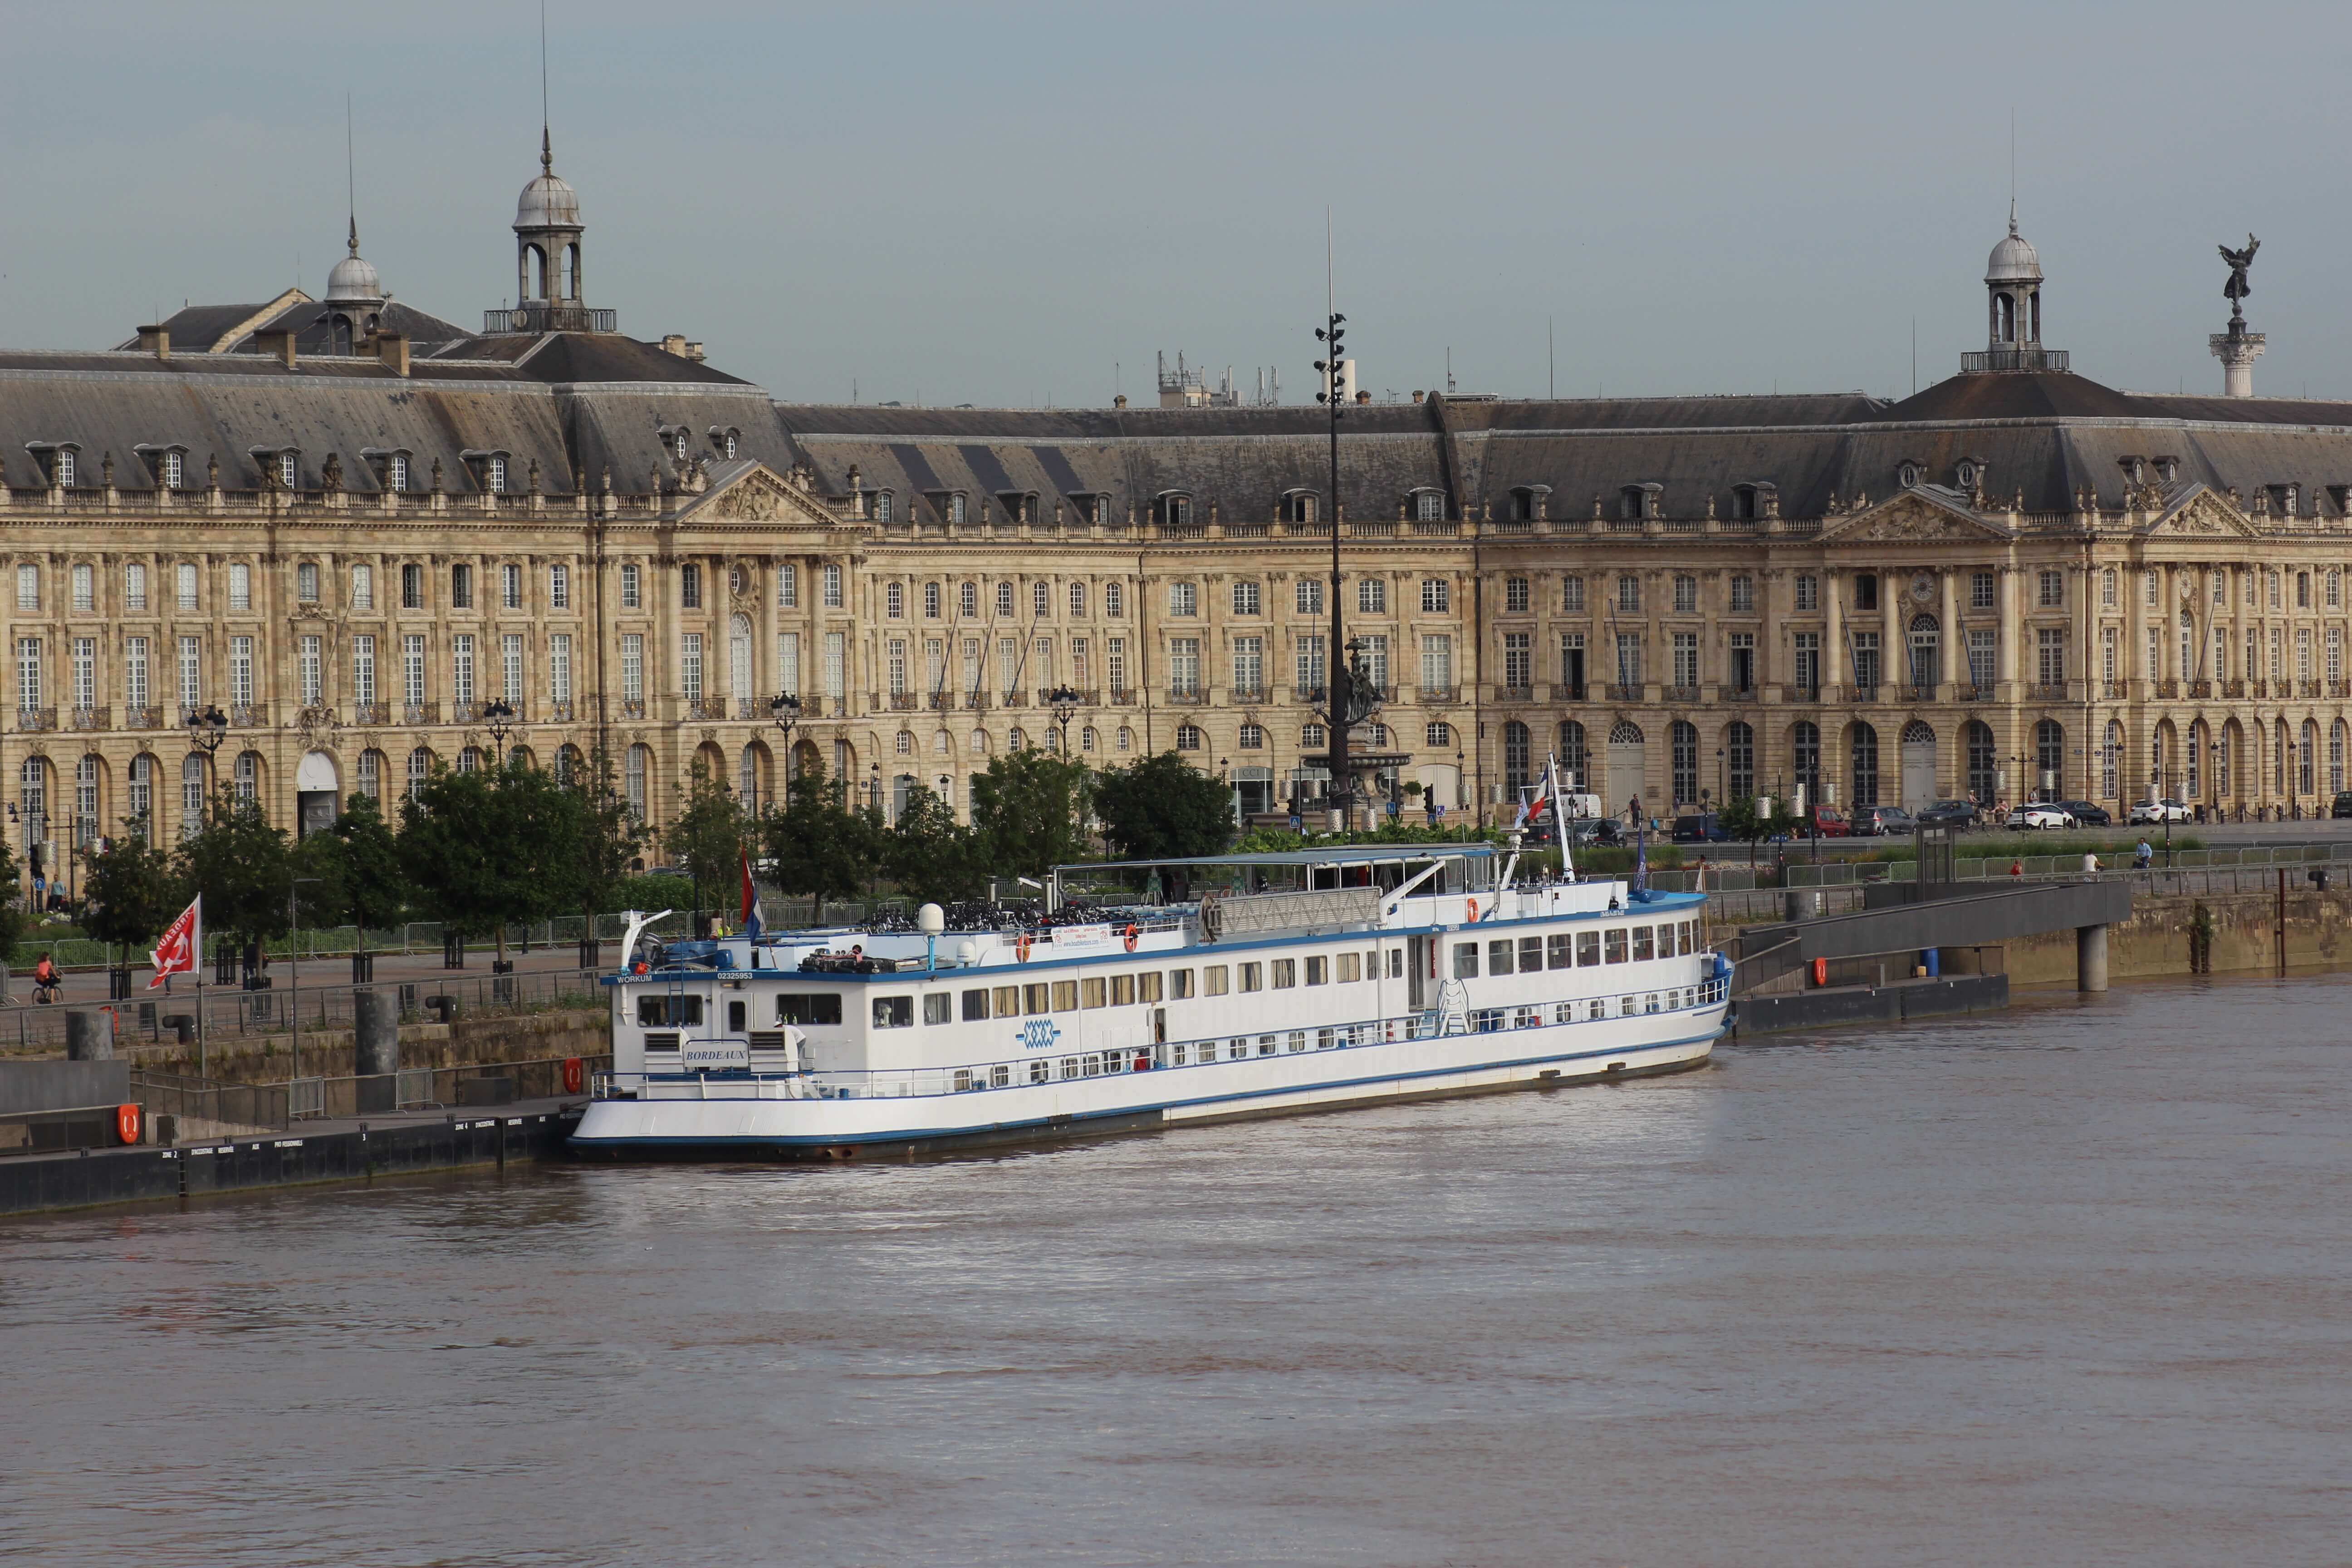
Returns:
<point x="785" y="710"/>
<point x="500" y="719"/>
<point x="1064" y="705"/>
<point x="1340" y="680"/>
<point x="294" y="985"/>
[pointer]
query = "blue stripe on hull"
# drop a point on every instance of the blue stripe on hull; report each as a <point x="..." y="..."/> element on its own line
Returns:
<point x="1062" y="1122"/>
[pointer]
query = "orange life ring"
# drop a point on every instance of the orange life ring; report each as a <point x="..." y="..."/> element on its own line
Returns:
<point x="1131" y="939"/>
<point x="1474" y="911"/>
<point x="1021" y="947"/>
<point x="126" y="1122"/>
<point x="575" y="1075"/>
<point x="1820" y="971"/>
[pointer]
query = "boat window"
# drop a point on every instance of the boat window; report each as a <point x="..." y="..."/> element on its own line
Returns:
<point x="1351" y="967"/>
<point x="1008" y="1001"/>
<point x="1176" y="1054"/>
<point x="999" y="1075"/>
<point x="1690" y="936"/>
<point x="1253" y="976"/>
<point x="1237" y="1050"/>
<point x="1654" y="1003"/>
<point x="1499" y="956"/>
<point x="1040" y="1070"/>
<point x="1285" y="974"/>
<point x="1147" y="986"/>
<point x="1556" y="952"/>
<point x="1588" y="947"/>
<point x="1297" y="1039"/>
<point x="939" y="1008"/>
<point x="1033" y="998"/>
<point x="1319" y="969"/>
<point x="1396" y="963"/>
<point x="1069" y="1066"/>
<point x="735" y="1017"/>
<point x="809" y="1007"/>
<point x="1530" y="955"/>
<point x="1325" y="1039"/>
<point x="1643" y="945"/>
<point x="1094" y="991"/>
<point x="1212" y="980"/>
<point x="894" y="1011"/>
<point x="1066" y="995"/>
<point x="1093" y="1065"/>
<point x="1563" y="1011"/>
<point x="1267" y="1044"/>
<point x="1122" y="990"/>
<point x="975" y="1005"/>
<point x="1614" y="937"/>
<point x="1466" y="960"/>
<point x="1179" y="984"/>
<point x="670" y="1010"/>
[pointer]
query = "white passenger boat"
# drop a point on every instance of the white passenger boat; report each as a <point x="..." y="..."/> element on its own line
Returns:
<point x="1158" y="993"/>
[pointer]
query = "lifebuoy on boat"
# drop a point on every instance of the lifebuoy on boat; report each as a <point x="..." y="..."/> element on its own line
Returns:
<point x="126" y="1122"/>
<point x="1021" y="947"/>
<point x="575" y="1075"/>
<point x="1474" y="911"/>
<point x="1131" y="939"/>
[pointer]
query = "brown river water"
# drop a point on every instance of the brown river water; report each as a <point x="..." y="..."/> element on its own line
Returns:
<point x="2063" y="1285"/>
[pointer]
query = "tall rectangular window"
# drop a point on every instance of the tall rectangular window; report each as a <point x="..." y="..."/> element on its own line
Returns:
<point x="559" y="667"/>
<point x="788" y="587"/>
<point x="1310" y="595"/>
<point x="1185" y="666"/>
<point x="836" y="664"/>
<point x="85" y="672"/>
<point x="1808" y="652"/>
<point x="184" y="582"/>
<point x="2051" y="645"/>
<point x="689" y="666"/>
<point x="307" y="667"/>
<point x="831" y="586"/>
<point x="134" y="586"/>
<point x="1686" y="660"/>
<point x="28" y="587"/>
<point x="362" y="587"/>
<point x="1082" y="669"/>
<point x="510" y="587"/>
<point x="935" y="665"/>
<point x="411" y="587"/>
<point x="1629" y="658"/>
<point x="84" y="587"/>
<point x="788" y="663"/>
<point x="1980" y="658"/>
<point x="689" y="586"/>
<point x="192" y="674"/>
<point x="1116" y="669"/>
<point x="1184" y="598"/>
<point x="633" y="667"/>
<point x="1008" y="665"/>
<point x="1518" y="661"/>
<point x="1249" y="664"/>
<point x="240" y="672"/>
<point x="895" y="666"/>
<point x="632" y="586"/>
<point x="135" y="674"/>
<point x="1863" y="654"/>
<point x="1436" y="596"/>
<point x="510" y="667"/>
<point x="28" y="675"/>
<point x="1981" y="591"/>
<point x="1571" y="595"/>
<point x="1373" y="595"/>
<point x="412" y="668"/>
<point x="1809" y="591"/>
<point x="240" y="586"/>
<point x="971" y="678"/>
<point x="1309" y="661"/>
<point x="1437" y="662"/>
<point x="461" y="669"/>
<point x="364" y="670"/>
<point x="306" y="583"/>
<point x="461" y="587"/>
<point x="1247" y="599"/>
<point x="559" y="587"/>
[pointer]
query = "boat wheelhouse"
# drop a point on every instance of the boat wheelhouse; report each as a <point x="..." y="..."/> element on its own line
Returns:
<point x="1154" y="992"/>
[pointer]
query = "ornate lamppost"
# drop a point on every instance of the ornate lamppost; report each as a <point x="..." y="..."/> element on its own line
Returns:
<point x="1064" y="702"/>
<point x="498" y="717"/>
<point x="785" y="711"/>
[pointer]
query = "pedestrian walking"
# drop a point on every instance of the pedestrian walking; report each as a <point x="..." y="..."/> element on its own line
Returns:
<point x="2142" y="857"/>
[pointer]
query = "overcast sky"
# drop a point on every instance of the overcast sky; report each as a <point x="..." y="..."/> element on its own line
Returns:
<point x="1000" y="204"/>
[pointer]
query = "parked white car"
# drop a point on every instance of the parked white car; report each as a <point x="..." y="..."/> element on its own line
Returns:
<point x="2155" y="812"/>
<point x="2038" y="813"/>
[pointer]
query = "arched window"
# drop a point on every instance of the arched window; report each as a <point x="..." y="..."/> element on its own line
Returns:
<point x="2336" y="758"/>
<point x="371" y="775"/>
<point x="248" y="778"/>
<point x="1983" y="762"/>
<point x="1015" y="739"/>
<point x="1515" y="759"/>
<point x="567" y="764"/>
<point x="1866" y="766"/>
<point x="192" y="794"/>
<point x="1575" y="755"/>
<point x="2279" y="746"/>
<point x="142" y="795"/>
<point x="1188" y="738"/>
<point x="748" y="781"/>
<point x="2194" y="771"/>
<point x="85" y="807"/>
<point x="2049" y="758"/>
<point x="1682" y="744"/>
<point x="470" y="760"/>
<point x="967" y="599"/>
<point x="2188" y="670"/>
<point x="2225" y="758"/>
<point x="1927" y="661"/>
<point x="1740" y="760"/>
<point x="1805" y="758"/>
<point x="2308" y="759"/>
<point x="903" y="744"/>
<point x="1089" y="742"/>
<point x="739" y="664"/>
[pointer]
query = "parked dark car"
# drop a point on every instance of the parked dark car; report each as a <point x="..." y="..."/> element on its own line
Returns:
<point x="1948" y="814"/>
<point x="1700" y="827"/>
<point x="2087" y="815"/>
<point x="1882" y="819"/>
<point x="1599" y="832"/>
<point x="2343" y="806"/>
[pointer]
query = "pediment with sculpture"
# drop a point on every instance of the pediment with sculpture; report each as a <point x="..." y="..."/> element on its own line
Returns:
<point x="758" y="494"/>
<point x="1913" y="517"/>
<point x="2198" y="513"/>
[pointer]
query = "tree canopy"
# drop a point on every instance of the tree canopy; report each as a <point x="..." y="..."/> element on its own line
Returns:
<point x="816" y="845"/>
<point x="130" y="890"/>
<point x="1029" y="810"/>
<point x="930" y="854"/>
<point x="241" y="866"/>
<point x="709" y="838"/>
<point x="486" y="849"/>
<point x="1162" y="807"/>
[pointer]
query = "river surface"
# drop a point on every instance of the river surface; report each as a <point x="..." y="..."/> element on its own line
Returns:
<point x="2063" y="1285"/>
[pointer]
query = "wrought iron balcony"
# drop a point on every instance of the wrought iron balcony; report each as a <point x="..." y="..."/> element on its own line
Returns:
<point x="36" y="718"/>
<point x="1515" y="694"/>
<point x="371" y="713"/>
<point x="549" y="316"/>
<point x="430" y="713"/>
<point x="1619" y="693"/>
<point x="142" y="718"/>
<point x="1438" y="696"/>
<point x="562" y="711"/>
<point x="1679" y="694"/>
<point x="1122" y="697"/>
<point x="975" y="701"/>
<point x="1245" y="693"/>
<point x="905" y="701"/>
<point x="631" y="707"/>
<point x="90" y="718"/>
<point x="244" y="716"/>
<point x="1988" y="361"/>
<point x="1187" y="696"/>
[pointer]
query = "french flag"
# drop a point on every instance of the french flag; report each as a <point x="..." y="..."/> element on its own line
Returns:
<point x="750" y="917"/>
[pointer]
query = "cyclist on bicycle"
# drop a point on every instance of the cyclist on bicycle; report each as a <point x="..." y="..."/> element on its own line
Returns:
<point x="45" y="980"/>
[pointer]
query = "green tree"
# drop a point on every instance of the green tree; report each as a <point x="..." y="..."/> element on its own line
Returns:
<point x="241" y="866"/>
<point x="817" y="844"/>
<point x="1029" y="809"/>
<point x="13" y="920"/>
<point x="359" y="863"/>
<point x="1162" y="807"/>
<point x="929" y="854"/>
<point x="611" y="838"/>
<point x="129" y="892"/>
<point x="488" y="849"/>
<point x="1747" y="819"/>
<point x="709" y="836"/>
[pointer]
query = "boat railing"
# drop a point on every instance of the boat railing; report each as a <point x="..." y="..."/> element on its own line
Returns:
<point x="1099" y="1060"/>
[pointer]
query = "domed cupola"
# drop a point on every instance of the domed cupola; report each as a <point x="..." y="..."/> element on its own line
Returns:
<point x="2013" y="306"/>
<point x="355" y="298"/>
<point x="547" y="250"/>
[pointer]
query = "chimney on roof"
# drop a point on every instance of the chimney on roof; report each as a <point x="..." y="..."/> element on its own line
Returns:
<point x="1119" y="402"/>
<point x="676" y="344"/>
<point x="392" y="349"/>
<point x="279" y="342"/>
<point x="1417" y="396"/>
<point x="156" y="340"/>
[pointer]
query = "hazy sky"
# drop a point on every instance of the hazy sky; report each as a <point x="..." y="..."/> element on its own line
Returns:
<point x="999" y="204"/>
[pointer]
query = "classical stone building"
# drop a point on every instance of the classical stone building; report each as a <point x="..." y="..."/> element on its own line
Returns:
<point x="353" y="527"/>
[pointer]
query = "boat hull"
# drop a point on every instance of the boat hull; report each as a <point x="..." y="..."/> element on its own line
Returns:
<point x="740" y="1120"/>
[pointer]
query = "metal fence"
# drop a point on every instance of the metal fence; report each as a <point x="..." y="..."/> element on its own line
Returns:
<point x="1733" y="877"/>
<point x="265" y="1107"/>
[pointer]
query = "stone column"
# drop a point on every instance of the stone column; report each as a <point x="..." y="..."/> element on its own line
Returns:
<point x="1953" y="644"/>
<point x="1837" y="670"/>
<point x="1893" y="656"/>
<point x="2012" y="632"/>
<point x="2090" y="958"/>
<point x="90" y="1035"/>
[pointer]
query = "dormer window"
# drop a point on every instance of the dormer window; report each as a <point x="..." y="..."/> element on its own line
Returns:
<point x="678" y="446"/>
<point x="2167" y="470"/>
<point x="175" y="469"/>
<point x="285" y="474"/>
<point x="1175" y="509"/>
<point x="1967" y="474"/>
<point x="1639" y="501"/>
<point x="958" y="508"/>
<point x="2135" y="469"/>
<point x="1526" y="502"/>
<point x="724" y="440"/>
<point x="64" y="468"/>
<point x="1908" y="476"/>
<point x="1101" y="512"/>
<point x="2282" y="499"/>
<point x="1746" y="505"/>
<point x="1299" y="506"/>
<point x="396" y="473"/>
<point x="1429" y="506"/>
<point x="882" y="510"/>
<point x="494" y="474"/>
